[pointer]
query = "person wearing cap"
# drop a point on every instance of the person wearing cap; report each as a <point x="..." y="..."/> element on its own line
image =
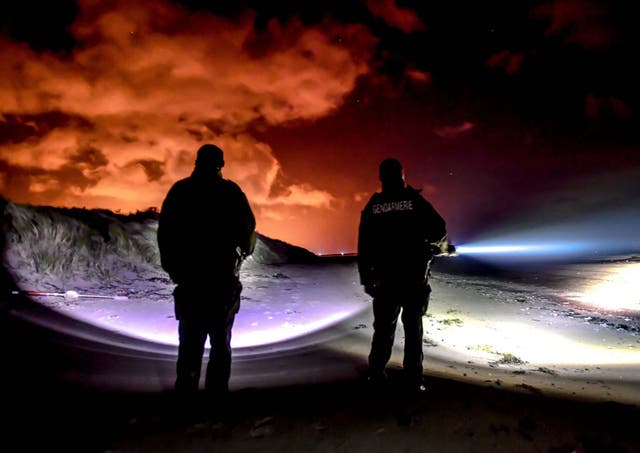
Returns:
<point x="206" y="229"/>
<point x="398" y="235"/>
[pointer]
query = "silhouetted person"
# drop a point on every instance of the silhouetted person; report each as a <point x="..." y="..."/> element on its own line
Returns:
<point x="206" y="229"/>
<point x="397" y="230"/>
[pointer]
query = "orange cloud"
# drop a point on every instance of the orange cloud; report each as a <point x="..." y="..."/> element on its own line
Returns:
<point x="419" y="76"/>
<point x="116" y="121"/>
<point x="401" y="18"/>
<point x="303" y="195"/>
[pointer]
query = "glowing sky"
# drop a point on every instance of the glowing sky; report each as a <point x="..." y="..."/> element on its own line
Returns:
<point x="103" y="104"/>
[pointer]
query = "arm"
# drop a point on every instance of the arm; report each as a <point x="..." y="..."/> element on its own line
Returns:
<point x="247" y="238"/>
<point x="168" y="235"/>
<point x="435" y="230"/>
<point x="365" y="259"/>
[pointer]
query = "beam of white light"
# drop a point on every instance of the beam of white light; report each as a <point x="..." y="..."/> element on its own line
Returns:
<point x="527" y="249"/>
<point x="619" y="289"/>
<point x="470" y="250"/>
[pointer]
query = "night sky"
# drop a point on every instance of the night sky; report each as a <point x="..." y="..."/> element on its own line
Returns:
<point x="493" y="107"/>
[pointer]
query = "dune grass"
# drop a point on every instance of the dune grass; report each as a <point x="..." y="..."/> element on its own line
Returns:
<point x="60" y="244"/>
<point x="58" y="248"/>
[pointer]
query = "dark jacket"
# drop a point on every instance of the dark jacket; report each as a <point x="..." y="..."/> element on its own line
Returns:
<point x="396" y="231"/>
<point x="206" y="225"/>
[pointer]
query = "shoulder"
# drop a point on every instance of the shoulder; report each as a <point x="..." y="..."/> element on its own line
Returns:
<point x="179" y="187"/>
<point x="231" y="187"/>
<point x="416" y="194"/>
<point x="375" y="198"/>
<point x="413" y="192"/>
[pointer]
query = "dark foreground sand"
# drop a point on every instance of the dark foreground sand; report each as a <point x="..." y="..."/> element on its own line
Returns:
<point x="340" y="416"/>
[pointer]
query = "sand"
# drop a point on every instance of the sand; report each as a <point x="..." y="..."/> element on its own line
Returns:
<point x="509" y="367"/>
<point x="345" y="416"/>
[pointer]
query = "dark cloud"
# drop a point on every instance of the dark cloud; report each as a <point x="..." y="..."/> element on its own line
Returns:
<point x="16" y="128"/>
<point x="70" y="176"/>
<point x="510" y="62"/>
<point x="580" y="22"/>
<point x="89" y="157"/>
<point x="35" y="185"/>
<point x="154" y="169"/>
<point x="12" y="131"/>
<point x="606" y="107"/>
<point x="14" y="181"/>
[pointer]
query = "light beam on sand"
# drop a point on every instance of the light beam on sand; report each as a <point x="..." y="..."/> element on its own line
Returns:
<point x="245" y="336"/>
<point x="287" y="331"/>
<point x="618" y="290"/>
<point x="253" y="327"/>
<point x="493" y="341"/>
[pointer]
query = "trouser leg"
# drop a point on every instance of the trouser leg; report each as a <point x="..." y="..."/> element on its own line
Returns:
<point x="414" y="307"/>
<point x="219" y="366"/>
<point x="385" y="318"/>
<point x="190" y="350"/>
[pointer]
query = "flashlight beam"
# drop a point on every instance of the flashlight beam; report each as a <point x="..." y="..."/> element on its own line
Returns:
<point x="530" y="249"/>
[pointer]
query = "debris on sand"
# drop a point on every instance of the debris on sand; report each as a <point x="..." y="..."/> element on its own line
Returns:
<point x="262" y="427"/>
<point x="509" y="359"/>
<point x="530" y="388"/>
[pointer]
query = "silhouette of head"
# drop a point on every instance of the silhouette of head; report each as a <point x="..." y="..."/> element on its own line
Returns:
<point x="391" y="174"/>
<point x="210" y="157"/>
